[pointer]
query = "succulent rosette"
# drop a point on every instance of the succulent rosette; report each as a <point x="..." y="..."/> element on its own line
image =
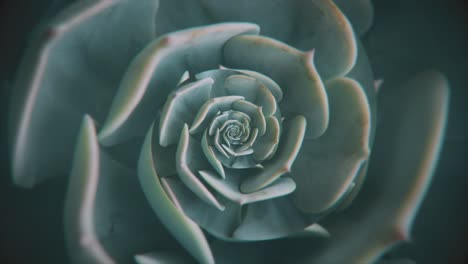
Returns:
<point x="194" y="127"/>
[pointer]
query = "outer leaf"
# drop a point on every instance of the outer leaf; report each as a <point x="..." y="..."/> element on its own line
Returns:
<point x="405" y="155"/>
<point x="183" y="229"/>
<point x="102" y="201"/>
<point x="70" y="69"/>
<point x="327" y="167"/>
<point x="363" y="74"/>
<point x="82" y="240"/>
<point x="306" y="24"/>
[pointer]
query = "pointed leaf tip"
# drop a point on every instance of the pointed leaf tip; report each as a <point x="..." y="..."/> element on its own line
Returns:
<point x="80" y="233"/>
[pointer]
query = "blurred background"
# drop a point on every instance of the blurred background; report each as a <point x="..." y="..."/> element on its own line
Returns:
<point x="406" y="37"/>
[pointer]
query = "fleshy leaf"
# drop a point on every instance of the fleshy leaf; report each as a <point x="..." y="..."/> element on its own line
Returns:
<point x="102" y="201"/>
<point x="159" y="66"/>
<point x="253" y="91"/>
<point x="230" y="189"/>
<point x="283" y="160"/>
<point x="188" y="162"/>
<point x="182" y="228"/>
<point x="292" y="69"/>
<point x="359" y="12"/>
<point x="315" y="230"/>
<point x="217" y="122"/>
<point x="271" y="85"/>
<point x="327" y="166"/>
<point x="180" y="108"/>
<point x="210" y="156"/>
<point x="219" y="76"/>
<point x="280" y="212"/>
<point x="265" y="146"/>
<point x="234" y="153"/>
<point x="362" y="73"/>
<point x="404" y="157"/>
<point x="49" y="93"/>
<point x="244" y="162"/>
<point x="80" y="232"/>
<point x="217" y="144"/>
<point x="231" y="159"/>
<point x="331" y="36"/>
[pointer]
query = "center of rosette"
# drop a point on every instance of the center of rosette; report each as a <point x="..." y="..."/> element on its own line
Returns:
<point x="232" y="135"/>
<point x="235" y="132"/>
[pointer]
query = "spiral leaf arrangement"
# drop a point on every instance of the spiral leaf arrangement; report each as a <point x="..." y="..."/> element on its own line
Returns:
<point x="242" y="137"/>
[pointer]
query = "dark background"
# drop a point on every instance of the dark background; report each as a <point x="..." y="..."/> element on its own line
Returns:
<point x="407" y="37"/>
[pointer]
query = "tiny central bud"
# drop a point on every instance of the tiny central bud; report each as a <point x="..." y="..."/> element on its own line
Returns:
<point x="233" y="132"/>
<point x="235" y="128"/>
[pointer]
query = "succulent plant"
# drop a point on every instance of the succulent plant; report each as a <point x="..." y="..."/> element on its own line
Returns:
<point x="180" y="121"/>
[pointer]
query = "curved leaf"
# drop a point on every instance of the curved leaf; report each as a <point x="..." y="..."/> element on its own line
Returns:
<point x="266" y="145"/>
<point x="189" y="160"/>
<point x="404" y="157"/>
<point x="282" y="162"/>
<point x="180" y="108"/>
<point x="58" y="80"/>
<point x="327" y="166"/>
<point x="183" y="229"/>
<point x="230" y="189"/>
<point x="80" y="232"/>
<point x="102" y="201"/>
<point x="253" y="91"/>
